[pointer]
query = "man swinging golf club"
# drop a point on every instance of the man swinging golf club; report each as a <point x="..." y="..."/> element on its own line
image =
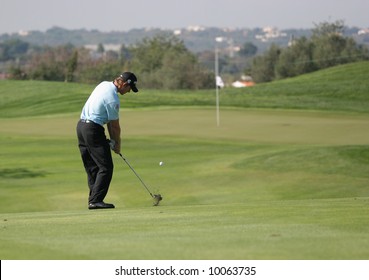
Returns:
<point x="102" y="107"/>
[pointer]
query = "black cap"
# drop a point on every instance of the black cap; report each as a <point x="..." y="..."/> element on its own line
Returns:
<point x="131" y="79"/>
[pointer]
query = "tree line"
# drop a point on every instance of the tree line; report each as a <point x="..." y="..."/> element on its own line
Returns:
<point x="164" y="61"/>
<point x="326" y="47"/>
<point x="160" y="62"/>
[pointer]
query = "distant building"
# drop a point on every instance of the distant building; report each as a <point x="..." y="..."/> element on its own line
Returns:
<point x="363" y="31"/>
<point x="177" y="32"/>
<point x="23" y="33"/>
<point x="107" y="47"/>
<point x="241" y="84"/>
<point x="270" y="33"/>
<point x="195" y="28"/>
<point x="246" y="81"/>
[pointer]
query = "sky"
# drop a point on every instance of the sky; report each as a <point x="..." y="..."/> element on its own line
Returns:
<point x="124" y="15"/>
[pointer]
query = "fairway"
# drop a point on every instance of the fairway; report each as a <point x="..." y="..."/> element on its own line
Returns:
<point x="263" y="185"/>
<point x="262" y="230"/>
<point x="277" y="183"/>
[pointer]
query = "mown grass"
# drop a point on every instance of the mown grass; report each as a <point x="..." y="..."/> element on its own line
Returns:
<point x="262" y="230"/>
<point x="266" y="184"/>
<point x="342" y="88"/>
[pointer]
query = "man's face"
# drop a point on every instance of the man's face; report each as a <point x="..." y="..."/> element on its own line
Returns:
<point x="124" y="88"/>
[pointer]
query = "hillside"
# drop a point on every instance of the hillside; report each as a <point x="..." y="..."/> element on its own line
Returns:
<point x="341" y="88"/>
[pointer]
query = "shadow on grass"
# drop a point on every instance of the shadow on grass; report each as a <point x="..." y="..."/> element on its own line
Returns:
<point x="20" y="173"/>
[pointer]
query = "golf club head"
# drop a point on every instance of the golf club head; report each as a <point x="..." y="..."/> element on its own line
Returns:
<point x="157" y="198"/>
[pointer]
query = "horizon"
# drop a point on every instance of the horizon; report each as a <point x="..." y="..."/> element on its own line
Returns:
<point x="41" y="15"/>
<point x="193" y="28"/>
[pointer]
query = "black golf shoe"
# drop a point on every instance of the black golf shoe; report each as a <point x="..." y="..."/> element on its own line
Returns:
<point x="100" y="205"/>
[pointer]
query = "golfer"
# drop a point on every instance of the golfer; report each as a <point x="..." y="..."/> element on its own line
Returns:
<point x="102" y="107"/>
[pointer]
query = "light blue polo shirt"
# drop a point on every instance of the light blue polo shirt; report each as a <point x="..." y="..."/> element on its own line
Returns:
<point x="103" y="104"/>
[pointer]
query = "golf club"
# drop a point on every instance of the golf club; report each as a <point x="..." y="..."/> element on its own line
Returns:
<point x="157" y="197"/>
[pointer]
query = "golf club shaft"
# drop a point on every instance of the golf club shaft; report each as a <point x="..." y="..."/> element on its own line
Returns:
<point x="125" y="160"/>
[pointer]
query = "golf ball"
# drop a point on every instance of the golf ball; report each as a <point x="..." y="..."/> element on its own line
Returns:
<point x="161" y="163"/>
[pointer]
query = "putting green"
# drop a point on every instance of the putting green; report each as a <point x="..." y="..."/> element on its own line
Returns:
<point x="262" y="126"/>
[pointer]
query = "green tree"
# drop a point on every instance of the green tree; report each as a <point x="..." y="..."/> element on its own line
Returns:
<point x="165" y="62"/>
<point x="10" y="50"/>
<point x="148" y="55"/>
<point x="326" y="28"/>
<point x="97" y="71"/>
<point x="100" y="48"/>
<point x="248" y="49"/>
<point x="71" y="66"/>
<point x="332" y="48"/>
<point x="327" y="47"/>
<point x="51" y="63"/>
<point x="16" y="73"/>
<point x="181" y="71"/>
<point x="124" y="54"/>
<point x="263" y="69"/>
<point x="296" y="60"/>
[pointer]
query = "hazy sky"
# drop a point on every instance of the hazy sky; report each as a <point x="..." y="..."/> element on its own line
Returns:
<point x="123" y="15"/>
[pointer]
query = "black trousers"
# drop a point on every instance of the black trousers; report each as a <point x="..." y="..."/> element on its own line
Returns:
<point x="97" y="159"/>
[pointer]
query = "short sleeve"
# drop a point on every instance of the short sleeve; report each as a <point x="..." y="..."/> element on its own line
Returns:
<point x="112" y="110"/>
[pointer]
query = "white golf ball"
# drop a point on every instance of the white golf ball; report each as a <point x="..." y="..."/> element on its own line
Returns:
<point x="161" y="163"/>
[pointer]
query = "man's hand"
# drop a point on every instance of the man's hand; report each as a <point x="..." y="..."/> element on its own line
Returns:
<point x="117" y="148"/>
<point x="114" y="146"/>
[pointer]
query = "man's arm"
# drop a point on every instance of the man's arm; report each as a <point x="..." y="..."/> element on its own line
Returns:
<point x="114" y="132"/>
